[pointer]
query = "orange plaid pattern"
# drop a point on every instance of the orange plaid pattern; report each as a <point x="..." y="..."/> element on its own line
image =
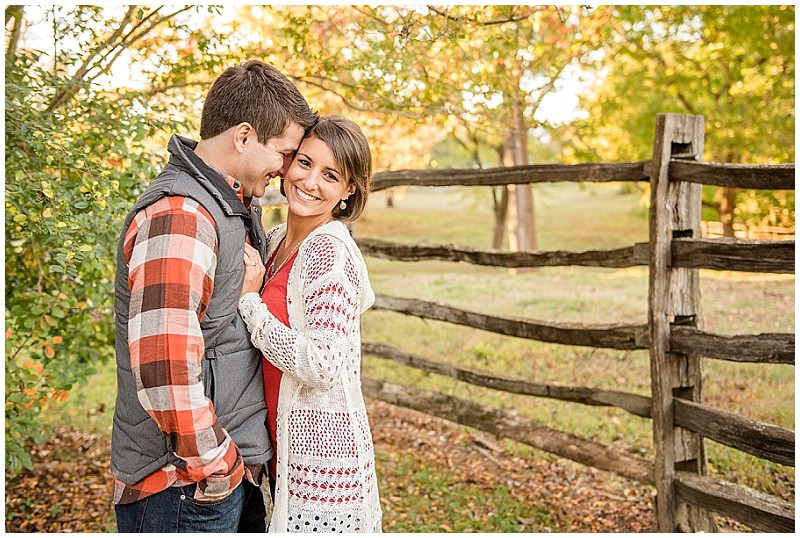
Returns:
<point x="171" y="252"/>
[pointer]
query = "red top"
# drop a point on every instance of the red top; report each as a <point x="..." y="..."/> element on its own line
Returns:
<point x="274" y="296"/>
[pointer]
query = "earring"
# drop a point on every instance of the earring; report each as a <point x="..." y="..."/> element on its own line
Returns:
<point x="343" y="205"/>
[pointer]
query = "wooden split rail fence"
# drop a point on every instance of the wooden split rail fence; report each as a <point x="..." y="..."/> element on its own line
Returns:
<point x="672" y="333"/>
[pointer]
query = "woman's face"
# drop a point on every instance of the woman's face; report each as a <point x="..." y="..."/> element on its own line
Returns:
<point x="315" y="183"/>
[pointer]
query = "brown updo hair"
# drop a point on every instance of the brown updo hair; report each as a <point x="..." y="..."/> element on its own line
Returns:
<point x="351" y="151"/>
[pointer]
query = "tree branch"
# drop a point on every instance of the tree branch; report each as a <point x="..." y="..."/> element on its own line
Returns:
<point x="350" y="104"/>
<point x="161" y="89"/>
<point x="72" y="87"/>
<point x="511" y="18"/>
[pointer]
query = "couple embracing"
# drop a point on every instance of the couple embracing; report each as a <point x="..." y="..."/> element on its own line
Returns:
<point x="239" y="404"/>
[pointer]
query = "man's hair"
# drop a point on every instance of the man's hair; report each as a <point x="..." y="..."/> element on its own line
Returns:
<point x="258" y="94"/>
<point x="351" y="151"/>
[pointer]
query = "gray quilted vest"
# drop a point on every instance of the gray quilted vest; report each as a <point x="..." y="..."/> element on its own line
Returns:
<point x="232" y="374"/>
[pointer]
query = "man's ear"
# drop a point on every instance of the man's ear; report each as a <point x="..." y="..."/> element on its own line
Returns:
<point x="243" y="134"/>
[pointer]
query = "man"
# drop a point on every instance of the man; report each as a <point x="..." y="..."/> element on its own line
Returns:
<point x="189" y="440"/>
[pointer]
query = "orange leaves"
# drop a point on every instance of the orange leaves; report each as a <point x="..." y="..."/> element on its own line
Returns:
<point x="49" y="352"/>
<point x="30" y="365"/>
<point x="9" y="332"/>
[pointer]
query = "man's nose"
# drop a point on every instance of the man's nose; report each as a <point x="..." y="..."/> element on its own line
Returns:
<point x="287" y="162"/>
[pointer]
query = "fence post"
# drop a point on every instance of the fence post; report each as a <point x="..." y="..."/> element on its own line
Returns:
<point x="674" y="298"/>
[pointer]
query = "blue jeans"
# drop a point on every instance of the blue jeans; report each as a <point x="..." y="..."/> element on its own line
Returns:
<point x="175" y="510"/>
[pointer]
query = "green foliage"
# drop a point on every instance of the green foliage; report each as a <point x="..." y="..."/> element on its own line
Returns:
<point x="79" y="149"/>
<point x="71" y="176"/>
<point x="732" y="64"/>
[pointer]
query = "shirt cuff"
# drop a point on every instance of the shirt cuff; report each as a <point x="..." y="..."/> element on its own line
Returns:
<point x="249" y="304"/>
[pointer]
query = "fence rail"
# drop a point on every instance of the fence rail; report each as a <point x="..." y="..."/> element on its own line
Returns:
<point x="769" y="348"/>
<point x="512" y="426"/>
<point x="751" y="507"/>
<point x="742" y="176"/>
<point x="673" y="333"/>
<point x="611" y="336"/>
<point x="748" y="255"/>
<point x="766" y="441"/>
<point x="760" y="439"/>
<point x="632" y="403"/>
<point x="511" y="175"/>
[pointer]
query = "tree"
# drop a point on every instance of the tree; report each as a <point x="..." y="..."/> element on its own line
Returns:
<point x="77" y="154"/>
<point x="481" y="73"/>
<point x="732" y="64"/>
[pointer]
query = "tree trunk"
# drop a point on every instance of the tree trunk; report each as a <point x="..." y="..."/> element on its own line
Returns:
<point x="521" y="227"/>
<point x="16" y="13"/>
<point x="500" y="207"/>
<point x="726" y="207"/>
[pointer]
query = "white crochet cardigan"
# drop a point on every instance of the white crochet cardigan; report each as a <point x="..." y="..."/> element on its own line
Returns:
<point x="326" y="464"/>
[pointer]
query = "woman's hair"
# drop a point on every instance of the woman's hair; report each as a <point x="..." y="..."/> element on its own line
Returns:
<point x="351" y="151"/>
<point x="256" y="93"/>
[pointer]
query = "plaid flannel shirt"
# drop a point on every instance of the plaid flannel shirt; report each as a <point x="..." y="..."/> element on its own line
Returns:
<point x="171" y="251"/>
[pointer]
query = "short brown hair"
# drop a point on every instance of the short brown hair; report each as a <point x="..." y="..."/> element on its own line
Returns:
<point x="258" y="94"/>
<point x="351" y="151"/>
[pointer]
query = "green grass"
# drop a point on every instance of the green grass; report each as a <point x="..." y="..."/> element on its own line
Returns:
<point x="568" y="217"/>
<point x="418" y="498"/>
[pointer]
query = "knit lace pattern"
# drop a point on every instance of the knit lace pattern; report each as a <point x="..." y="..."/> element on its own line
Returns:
<point x="326" y="462"/>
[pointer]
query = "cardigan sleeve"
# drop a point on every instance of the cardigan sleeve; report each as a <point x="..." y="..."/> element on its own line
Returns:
<point x="315" y="353"/>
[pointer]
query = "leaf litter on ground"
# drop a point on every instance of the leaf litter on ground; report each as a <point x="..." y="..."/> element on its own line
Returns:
<point x="435" y="476"/>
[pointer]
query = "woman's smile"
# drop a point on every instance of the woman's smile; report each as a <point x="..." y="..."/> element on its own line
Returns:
<point x="304" y="195"/>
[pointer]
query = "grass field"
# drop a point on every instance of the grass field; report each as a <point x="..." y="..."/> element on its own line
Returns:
<point x="568" y="217"/>
<point x="571" y="217"/>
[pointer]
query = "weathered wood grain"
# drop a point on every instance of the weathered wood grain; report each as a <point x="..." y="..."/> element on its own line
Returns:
<point x="511" y="175"/>
<point x="760" y="439"/>
<point x="728" y="254"/>
<point x="512" y="426"/>
<point x="759" y="511"/>
<point x="623" y="257"/>
<point x="772" y="348"/>
<point x="612" y="336"/>
<point x="741" y="176"/>
<point x="633" y="403"/>
<point x="673" y="292"/>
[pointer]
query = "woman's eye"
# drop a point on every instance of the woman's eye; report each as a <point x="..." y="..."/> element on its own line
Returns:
<point x="332" y="177"/>
<point x="302" y="161"/>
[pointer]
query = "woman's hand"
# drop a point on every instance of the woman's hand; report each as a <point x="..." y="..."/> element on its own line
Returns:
<point x="253" y="270"/>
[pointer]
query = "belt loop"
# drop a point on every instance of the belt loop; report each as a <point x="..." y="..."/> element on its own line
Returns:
<point x="211" y="354"/>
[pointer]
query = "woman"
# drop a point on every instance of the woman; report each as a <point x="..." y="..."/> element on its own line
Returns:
<point x="306" y="321"/>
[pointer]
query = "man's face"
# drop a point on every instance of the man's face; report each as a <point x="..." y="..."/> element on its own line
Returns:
<point x="268" y="160"/>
